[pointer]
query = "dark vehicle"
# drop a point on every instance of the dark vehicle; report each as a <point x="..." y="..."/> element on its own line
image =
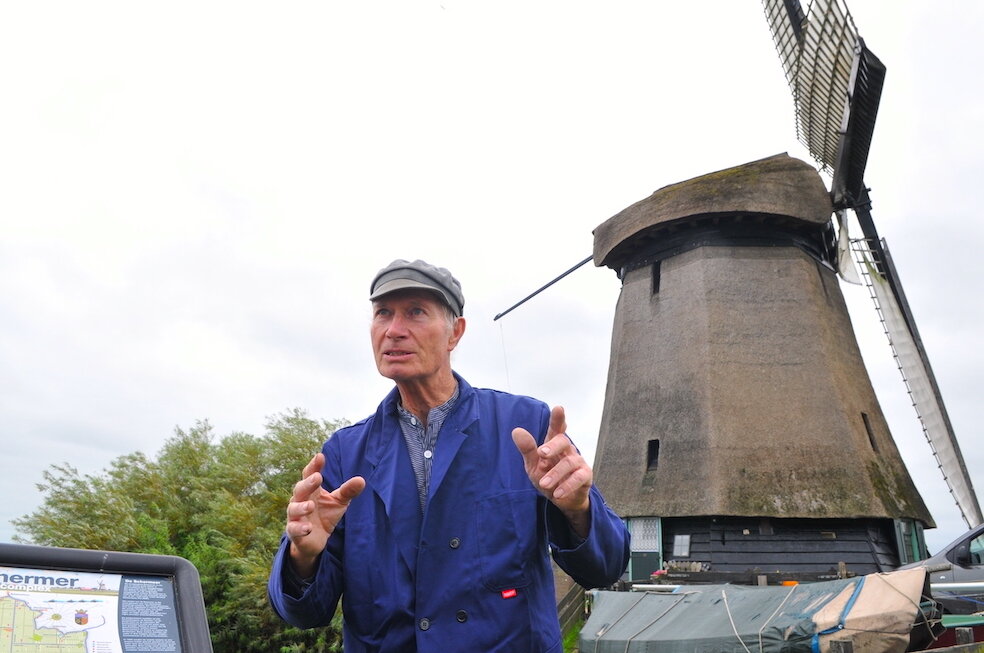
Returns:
<point x="956" y="574"/>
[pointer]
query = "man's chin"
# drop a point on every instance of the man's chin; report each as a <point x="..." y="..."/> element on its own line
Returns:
<point x="395" y="372"/>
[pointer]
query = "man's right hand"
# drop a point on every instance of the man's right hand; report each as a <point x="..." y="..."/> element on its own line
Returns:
<point x="313" y="513"/>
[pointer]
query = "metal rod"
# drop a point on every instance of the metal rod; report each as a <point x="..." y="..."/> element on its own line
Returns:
<point x="539" y="290"/>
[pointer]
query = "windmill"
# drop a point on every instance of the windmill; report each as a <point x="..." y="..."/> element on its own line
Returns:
<point x="836" y="82"/>
<point x="740" y="432"/>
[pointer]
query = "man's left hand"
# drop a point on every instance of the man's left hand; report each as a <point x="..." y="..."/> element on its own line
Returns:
<point x="558" y="471"/>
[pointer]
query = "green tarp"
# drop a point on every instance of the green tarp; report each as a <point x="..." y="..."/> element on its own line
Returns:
<point x="876" y="613"/>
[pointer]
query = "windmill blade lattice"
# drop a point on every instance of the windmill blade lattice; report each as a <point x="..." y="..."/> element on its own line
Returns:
<point x="817" y="52"/>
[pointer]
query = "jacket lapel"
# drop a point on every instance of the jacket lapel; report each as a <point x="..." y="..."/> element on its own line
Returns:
<point x="456" y="429"/>
<point x="393" y="482"/>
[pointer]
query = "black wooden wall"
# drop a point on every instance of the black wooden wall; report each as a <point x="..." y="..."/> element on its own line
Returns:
<point x="737" y="544"/>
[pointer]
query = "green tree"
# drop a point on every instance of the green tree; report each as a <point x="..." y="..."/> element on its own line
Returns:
<point x="219" y="502"/>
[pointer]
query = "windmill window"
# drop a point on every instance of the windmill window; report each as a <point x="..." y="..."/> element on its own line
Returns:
<point x="871" y="433"/>
<point x="681" y="546"/>
<point x="652" y="455"/>
<point x="656" y="277"/>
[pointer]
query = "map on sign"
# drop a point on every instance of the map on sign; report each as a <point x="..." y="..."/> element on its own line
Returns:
<point x="79" y="612"/>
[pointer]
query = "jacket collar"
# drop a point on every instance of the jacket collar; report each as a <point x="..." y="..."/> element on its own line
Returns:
<point x="383" y="444"/>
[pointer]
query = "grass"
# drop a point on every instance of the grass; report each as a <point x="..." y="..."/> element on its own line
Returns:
<point x="571" y="637"/>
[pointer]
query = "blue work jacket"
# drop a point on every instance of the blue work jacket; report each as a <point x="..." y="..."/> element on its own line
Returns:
<point x="472" y="572"/>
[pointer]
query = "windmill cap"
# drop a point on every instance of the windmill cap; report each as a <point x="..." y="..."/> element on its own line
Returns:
<point x="401" y="275"/>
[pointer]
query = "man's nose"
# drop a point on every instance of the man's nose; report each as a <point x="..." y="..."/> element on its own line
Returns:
<point x="397" y="327"/>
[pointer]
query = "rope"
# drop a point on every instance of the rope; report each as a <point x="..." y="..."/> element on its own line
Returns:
<point x="505" y="358"/>
<point x="606" y="627"/>
<point x="628" y="641"/>
<point x="771" y="616"/>
<point x="925" y="619"/>
<point x="734" y="628"/>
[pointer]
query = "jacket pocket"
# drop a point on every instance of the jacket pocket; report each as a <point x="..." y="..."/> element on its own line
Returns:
<point x="506" y="526"/>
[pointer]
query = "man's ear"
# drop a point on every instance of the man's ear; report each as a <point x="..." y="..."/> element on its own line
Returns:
<point x="457" y="330"/>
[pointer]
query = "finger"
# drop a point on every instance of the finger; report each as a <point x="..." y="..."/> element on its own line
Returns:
<point x="299" y="519"/>
<point x="316" y="464"/>
<point x="556" y="446"/>
<point x="557" y="473"/>
<point x="305" y="487"/>
<point x="299" y="509"/>
<point x="578" y="481"/>
<point x="298" y="529"/>
<point x="558" y="422"/>
<point x="311" y="478"/>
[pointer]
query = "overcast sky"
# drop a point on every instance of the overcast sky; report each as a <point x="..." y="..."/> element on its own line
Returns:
<point x="194" y="197"/>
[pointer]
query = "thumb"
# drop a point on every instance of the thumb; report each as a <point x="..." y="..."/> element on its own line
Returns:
<point x="524" y="442"/>
<point x="349" y="490"/>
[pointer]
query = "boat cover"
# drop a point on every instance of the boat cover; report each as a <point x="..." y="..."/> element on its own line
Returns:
<point x="876" y="612"/>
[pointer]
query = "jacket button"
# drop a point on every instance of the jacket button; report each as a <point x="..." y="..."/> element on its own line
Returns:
<point x="425" y="623"/>
<point x="461" y="616"/>
<point x="455" y="542"/>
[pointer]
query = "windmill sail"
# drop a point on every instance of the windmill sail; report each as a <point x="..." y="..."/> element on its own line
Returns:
<point x="919" y="379"/>
<point x="817" y="52"/>
<point x="836" y="83"/>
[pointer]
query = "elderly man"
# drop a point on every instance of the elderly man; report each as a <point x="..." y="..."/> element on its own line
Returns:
<point x="432" y="518"/>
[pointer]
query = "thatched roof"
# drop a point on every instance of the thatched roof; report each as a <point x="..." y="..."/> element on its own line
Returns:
<point x="776" y="186"/>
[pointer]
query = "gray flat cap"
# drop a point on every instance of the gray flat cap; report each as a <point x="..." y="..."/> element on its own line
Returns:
<point x="401" y="274"/>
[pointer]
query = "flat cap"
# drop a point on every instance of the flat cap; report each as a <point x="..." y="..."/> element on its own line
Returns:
<point x="401" y="274"/>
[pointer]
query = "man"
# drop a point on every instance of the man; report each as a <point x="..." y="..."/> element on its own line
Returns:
<point x="432" y="518"/>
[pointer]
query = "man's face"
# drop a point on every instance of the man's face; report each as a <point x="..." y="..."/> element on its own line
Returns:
<point x="412" y="336"/>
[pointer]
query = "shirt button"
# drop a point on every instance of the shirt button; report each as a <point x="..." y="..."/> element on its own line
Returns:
<point x="455" y="542"/>
<point x="413" y="420"/>
<point x="425" y="623"/>
<point x="461" y="616"/>
<point x="428" y="454"/>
